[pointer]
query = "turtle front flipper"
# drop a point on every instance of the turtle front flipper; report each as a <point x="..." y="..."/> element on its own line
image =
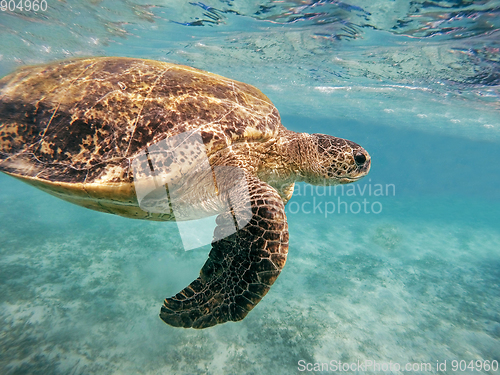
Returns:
<point x="240" y="268"/>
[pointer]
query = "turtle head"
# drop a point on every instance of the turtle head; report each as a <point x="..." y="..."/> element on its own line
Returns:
<point x="339" y="161"/>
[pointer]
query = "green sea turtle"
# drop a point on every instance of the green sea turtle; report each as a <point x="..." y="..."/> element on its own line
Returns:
<point x="75" y="129"/>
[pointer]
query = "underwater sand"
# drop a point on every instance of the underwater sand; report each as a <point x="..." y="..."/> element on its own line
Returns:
<point x="80" y="293"/>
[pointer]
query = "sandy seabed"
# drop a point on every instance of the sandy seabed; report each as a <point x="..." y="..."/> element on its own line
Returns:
<point x="80" y="293"/>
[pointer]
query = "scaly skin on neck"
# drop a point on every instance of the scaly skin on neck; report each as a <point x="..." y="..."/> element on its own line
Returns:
<point x="292" y="157"/>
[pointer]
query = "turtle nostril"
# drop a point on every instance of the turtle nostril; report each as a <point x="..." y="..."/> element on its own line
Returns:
<point x="360" y="159"/>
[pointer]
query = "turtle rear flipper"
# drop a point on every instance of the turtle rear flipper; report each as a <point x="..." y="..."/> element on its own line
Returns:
<point x="241" y="267"/>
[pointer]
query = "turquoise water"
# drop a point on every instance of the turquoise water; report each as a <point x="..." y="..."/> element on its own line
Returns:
<point x="413" y="277"/>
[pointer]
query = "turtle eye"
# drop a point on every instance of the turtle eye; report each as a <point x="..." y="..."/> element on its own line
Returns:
<point x="360" y="159"/>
